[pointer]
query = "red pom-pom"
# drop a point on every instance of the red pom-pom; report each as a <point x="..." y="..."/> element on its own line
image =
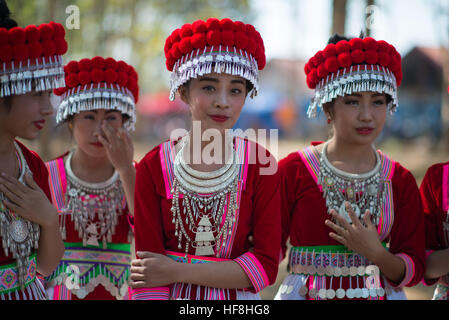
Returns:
<point x="32" y="33"/>
<point x="239" y="26"/>
<point x="59" y="31"/>
<point x="122" y="66"/>
<point x="251" y="46"/>
<point x="213" y="37"/>
<point x="250" y="31"/>
<point x="72" y="80"/>
<point x="46" y="31"/>
<point x="322" y="71"/>
<point x="132" y="73"/>
<point x="313" y="76"/>
<point x="72" y="67"/>
<point x="331" y="64"/>
<point x="122" y="79"/>
<point x="198" y="40"/>
<point x="3" y="36"/>
<point x="175" y="51"/>
<point x="16" y="35"/>
<point x="186" y="31"/>
<point x="168" y="44"/>
<point x="98" y="63"/>
<point x="241" y="40"/>
<point x="384" y="59"/>
<point x="49" y="48"/>
<point x="176" y="36"/>
<point x="35" y="49"/>
<point x="170" y="63"/>
<point x="97" y="75"/>
<point x="20" y="52"/>
<point x="227" y="38"/>
<point x="356" y="44"/>
<point x="371" y="57"/>
<point x="307" y="68"/>
<point x="357" y="56"/>
<point x="383" y="46"/>
<point x="110" y="63"/>
<point x="344" y="59"/>
<point x="185" y="46"/>
<point x="84" y="77"/>
<point x="61" y="46"/>
<point x="199" y="26"/>
<point x="370" y="44"/>
<point x="329" y="51"/>
<point x="226" y="24"/>
<point x="318" y="59"/>
<point x="261" y="62"/>
<point x="5" y="53"/>
<point x="59" y="91"/>
<point x="342" y="46"/>
<point x="110" y="76"/>
<point x="85" y="64"/>
<point x="212" y="24"/>
<point x="131" y="84"/>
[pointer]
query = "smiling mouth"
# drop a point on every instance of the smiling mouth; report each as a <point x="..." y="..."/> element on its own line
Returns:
<point x="219" y="118"/>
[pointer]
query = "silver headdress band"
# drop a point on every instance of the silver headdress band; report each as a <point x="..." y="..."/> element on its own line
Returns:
<point x="354" y="79"/>
<point x="39" y="75"/>
<point x="94" y="97"/>
<point x="223" y="60"/>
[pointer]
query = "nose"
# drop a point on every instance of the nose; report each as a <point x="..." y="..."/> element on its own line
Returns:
<point x="222" y="99"/>
<point x="365" y="113"/>
<point x="46" y="106"/>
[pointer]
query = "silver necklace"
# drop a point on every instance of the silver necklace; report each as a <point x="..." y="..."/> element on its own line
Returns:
<point x="86" y="201"/>
<point x="19" y="236"/>
<point x="206" y="198"/>
<point x="363" y="191"/>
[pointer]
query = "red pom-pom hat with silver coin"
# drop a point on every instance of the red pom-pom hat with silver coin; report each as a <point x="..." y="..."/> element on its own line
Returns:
<point x="31" y="58"/>
<point x="356" y="65"/>
<point x="99" y="83"/>
<point x="221" y="46"/>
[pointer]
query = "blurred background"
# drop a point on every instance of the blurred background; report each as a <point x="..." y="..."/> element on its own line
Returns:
<point x="417" y="135"/>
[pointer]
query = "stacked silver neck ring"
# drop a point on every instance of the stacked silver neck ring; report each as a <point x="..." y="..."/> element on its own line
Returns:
<point x="209" y="203"/>
<point x="19" y="236"/>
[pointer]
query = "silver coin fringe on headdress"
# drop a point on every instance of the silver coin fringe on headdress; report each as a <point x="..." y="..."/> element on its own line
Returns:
<point x="90" y="97"/>
<point x="234" y="62"/>
<point x="24" y="77"/>
<point x="359" y="78"/>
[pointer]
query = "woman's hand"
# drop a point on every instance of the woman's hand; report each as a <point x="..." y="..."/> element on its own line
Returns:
<point x="28" y="201"/>
<point x="119" y="147"/>
<point x="152" y="270"/>
<point x="356" y="237"/>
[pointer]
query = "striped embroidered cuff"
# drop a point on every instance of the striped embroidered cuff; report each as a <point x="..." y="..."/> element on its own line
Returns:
<point x="254" y="270"/>
<point x="157" y="293"/>
<point x="409" y="269"/>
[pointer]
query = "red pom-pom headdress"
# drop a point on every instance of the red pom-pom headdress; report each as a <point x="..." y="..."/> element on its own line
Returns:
<point x="31" y="58"/>
<point x="99" y="83"/>
<point x="352" y="66"/>
<point x="222" y="46"/>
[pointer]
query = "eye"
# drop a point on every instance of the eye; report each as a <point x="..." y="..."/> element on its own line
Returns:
<point x="352" y="102"/>
<point x="209" y="88"/>
<point x="89" y="117"/>
<point x="380" y="102"/>
<point x="111" y="117"/>
<point x="236" y="91"/>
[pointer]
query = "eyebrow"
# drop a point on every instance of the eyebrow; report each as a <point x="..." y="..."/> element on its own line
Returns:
<point x="374" y="95"/>
<point x="216" y="80"/>
<point x="107" y="111"/>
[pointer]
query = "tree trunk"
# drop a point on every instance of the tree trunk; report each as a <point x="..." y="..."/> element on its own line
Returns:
<point x="339" y="16"/>
<point x="368" y="30"/>
<point x="445" y="98"/>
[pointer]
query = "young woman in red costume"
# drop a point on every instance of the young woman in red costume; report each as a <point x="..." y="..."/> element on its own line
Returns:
<point x="31" y="66"/>
<point x="434" y="195"/>
<point x="193" y="218"/>
<point x="352" y="214"/>
<point x="89" y="183"/>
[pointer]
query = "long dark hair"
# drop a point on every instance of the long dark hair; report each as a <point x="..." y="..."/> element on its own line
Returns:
<point x="5" y="19"/>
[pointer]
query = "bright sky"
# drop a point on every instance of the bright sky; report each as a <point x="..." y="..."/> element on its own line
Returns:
<point x="299" y="28"/>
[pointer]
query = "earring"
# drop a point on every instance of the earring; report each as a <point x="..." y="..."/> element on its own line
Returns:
<point x="328" y="120"/>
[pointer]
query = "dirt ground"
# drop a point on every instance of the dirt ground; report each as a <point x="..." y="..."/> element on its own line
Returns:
<point x="416" y="157"/>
